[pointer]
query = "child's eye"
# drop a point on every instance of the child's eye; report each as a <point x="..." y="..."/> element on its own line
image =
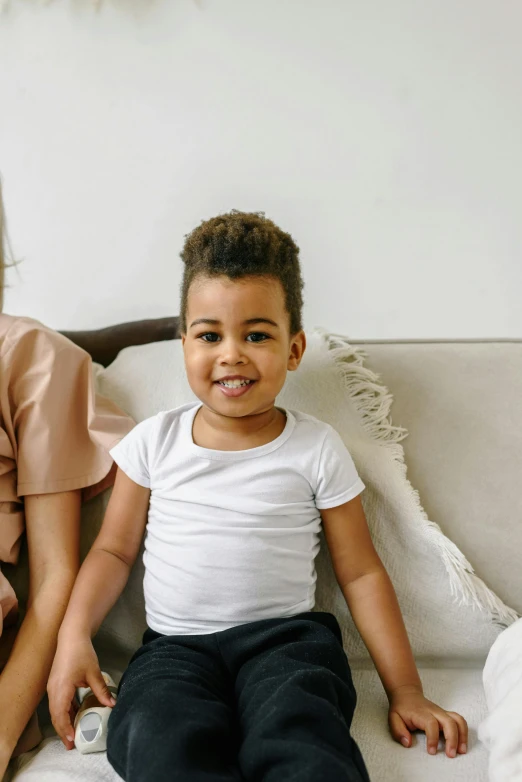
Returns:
<point x="257" y="336"/>
<point x="209" y="336"/>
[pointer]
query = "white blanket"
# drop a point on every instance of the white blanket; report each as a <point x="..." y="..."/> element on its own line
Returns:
<point x="501" y="731"/>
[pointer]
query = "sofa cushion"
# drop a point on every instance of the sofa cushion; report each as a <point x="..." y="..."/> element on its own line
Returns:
<point x="461" y="403"/>
<point x="455" y="689"/>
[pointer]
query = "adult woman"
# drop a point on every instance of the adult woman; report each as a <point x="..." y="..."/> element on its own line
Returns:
<point x="55" y="433"/>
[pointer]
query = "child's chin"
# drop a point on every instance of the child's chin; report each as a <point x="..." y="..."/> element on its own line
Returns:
<point x="235" y="407"/>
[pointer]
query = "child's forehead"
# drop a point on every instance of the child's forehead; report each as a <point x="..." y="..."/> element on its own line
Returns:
<point x="237" y="301"/>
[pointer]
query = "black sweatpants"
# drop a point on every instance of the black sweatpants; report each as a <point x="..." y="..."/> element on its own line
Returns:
<point x="268" y="701"/>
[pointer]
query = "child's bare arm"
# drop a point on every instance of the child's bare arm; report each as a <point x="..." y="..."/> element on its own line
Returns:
<point x="106" y="568"/>
<point x="100" y="582"/>
<point x="373" y="604"/>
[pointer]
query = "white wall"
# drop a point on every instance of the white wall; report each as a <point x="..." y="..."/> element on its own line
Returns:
<point x="386" y="136"/>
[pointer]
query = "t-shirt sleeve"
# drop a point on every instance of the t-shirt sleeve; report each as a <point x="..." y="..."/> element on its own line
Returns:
<point x="61" y="428"/>
<point x="337" y="478"/>
<point x="133" y="454"/>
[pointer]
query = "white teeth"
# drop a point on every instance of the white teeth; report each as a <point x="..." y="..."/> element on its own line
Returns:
<point x="234" y="383"/>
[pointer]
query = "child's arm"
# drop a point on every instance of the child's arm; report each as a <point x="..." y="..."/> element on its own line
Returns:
<point x="100" y="582"/>
<point x="373" y="604"/>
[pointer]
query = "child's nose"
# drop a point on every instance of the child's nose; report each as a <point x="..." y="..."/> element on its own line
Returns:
<point x="232" y="353"/>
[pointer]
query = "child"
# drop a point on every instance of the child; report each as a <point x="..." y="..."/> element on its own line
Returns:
<point x="237" y="678"/>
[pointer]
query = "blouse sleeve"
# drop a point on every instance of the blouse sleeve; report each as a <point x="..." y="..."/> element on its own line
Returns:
<point x="62" y="429"/>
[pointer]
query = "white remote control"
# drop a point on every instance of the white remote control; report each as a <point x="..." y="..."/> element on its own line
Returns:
<point x="91" y="720"/>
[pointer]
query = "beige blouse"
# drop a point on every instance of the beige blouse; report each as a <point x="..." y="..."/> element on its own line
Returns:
<point x="55" y="431"/>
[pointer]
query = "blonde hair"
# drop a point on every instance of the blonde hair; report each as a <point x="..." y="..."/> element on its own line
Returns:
<point x="6" y="255"/>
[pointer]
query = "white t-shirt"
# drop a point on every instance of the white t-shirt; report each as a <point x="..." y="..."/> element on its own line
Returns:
<point x="232" y="535"/>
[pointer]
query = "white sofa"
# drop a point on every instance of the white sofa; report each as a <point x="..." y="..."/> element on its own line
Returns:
<point x="461" y="403"/>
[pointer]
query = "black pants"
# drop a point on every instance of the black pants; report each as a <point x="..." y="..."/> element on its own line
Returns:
<point x="269" y="701"/>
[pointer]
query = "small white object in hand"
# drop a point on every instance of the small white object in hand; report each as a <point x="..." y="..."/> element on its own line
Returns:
<point x="90" y="724"/>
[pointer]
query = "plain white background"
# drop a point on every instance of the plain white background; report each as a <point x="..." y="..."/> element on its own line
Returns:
<point x="385" y="136"/>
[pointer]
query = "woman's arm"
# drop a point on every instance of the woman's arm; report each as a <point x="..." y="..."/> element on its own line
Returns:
<point x="105" y="344"/>
<point x="100" y="582"/>
<point x="53" y="522"/>
<point x="372" y="601"/>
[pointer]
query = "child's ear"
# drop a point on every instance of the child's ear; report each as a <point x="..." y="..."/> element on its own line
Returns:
<point x="297" y="348"/>
<point x="183" y="338"/>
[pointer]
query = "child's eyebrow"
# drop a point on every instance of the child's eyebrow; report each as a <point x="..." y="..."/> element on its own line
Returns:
<point x="249" y="322"/>
<point x="208" y="321"/>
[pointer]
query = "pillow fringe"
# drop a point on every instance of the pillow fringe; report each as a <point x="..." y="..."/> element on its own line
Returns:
<point x="373" y="402"/>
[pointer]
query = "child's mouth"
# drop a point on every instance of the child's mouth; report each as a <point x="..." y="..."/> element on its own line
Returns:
<point x="233" y="387"/>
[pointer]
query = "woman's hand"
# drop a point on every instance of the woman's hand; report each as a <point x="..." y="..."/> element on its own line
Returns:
<point x="75" y="665"/>
<point x="410" y="710"/>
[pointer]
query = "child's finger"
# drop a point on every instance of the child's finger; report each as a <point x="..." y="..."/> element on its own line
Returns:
<point x="98" y="686"/>
<point x="60" y="715"/>
<point x="430" y="725"/>
<point x="399" y="730"/>
<point x="463" y="732"/>
<point x="451" y="734"/>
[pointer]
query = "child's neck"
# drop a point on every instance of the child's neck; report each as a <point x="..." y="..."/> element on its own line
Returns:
<point x="225" y="433"/>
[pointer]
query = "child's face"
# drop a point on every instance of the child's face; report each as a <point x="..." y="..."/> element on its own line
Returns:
<point x="238" y="347"/>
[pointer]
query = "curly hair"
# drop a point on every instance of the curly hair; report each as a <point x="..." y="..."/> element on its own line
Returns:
<point x="242" y="244"/>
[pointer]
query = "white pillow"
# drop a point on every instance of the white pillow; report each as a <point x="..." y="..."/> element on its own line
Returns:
<point x="449" y="612"/>
<point x="501" y="731"/>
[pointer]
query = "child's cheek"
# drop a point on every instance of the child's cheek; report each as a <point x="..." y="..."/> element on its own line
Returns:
<point x="201" y="367"/>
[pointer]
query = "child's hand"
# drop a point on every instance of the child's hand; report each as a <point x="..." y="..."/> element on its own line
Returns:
<point x="75" y="665"/>
<point x="410" y="710"/>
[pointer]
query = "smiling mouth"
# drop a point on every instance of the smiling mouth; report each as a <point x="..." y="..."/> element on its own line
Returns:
<point x="233" y="387"/>
<point x="235" y="383"/>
